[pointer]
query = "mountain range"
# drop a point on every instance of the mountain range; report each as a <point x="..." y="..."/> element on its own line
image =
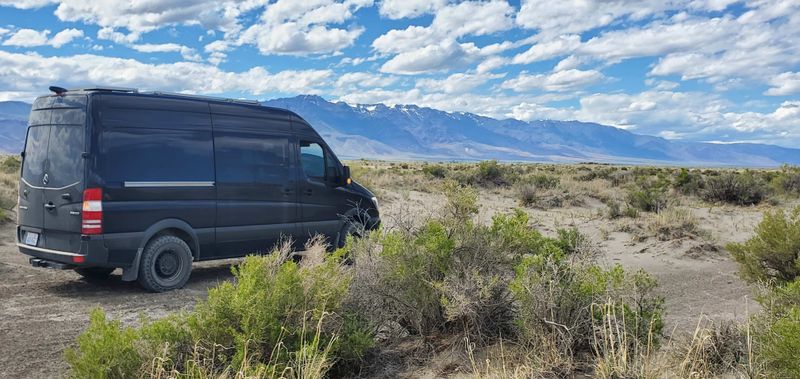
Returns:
<point x="400" y="132"/>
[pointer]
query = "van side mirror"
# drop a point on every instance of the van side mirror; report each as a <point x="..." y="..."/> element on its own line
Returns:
<point x="345" y="178"/>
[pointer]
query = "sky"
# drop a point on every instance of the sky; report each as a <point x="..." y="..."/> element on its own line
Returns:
<point x="702" y="70"/>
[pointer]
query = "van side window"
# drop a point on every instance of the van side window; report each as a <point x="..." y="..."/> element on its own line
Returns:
<point x="312" y="159"/>
<point x="251" y="157"/>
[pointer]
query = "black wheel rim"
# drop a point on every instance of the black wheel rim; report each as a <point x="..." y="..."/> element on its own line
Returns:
<point x="168" y="264"/>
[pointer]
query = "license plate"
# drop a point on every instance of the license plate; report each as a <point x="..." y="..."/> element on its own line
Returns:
<point x="31" y="238"/>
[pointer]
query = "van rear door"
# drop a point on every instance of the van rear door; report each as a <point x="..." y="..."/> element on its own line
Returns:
<point x="53" y="172"/>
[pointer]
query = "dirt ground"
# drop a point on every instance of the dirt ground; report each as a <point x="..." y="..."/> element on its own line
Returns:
<point x="42" y="311"/>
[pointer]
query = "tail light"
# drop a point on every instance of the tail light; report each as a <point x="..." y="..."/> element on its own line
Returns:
<point x="92" y="214"/>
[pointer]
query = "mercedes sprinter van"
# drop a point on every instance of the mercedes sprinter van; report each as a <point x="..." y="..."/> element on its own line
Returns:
<point x="150" y="182"/>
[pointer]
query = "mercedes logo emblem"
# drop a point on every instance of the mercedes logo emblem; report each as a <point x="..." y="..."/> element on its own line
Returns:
<point x="45" y="179"/>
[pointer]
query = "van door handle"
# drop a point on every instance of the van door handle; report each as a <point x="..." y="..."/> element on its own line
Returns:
<point x="287" y="191"/>
<point x="309" y="191"/>
<point x="50" y="206"/>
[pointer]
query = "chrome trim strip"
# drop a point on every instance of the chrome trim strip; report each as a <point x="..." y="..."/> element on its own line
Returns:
<point x="167" y="184"/>
<point x="49" y="188"/>
<point x="49" y="251"/>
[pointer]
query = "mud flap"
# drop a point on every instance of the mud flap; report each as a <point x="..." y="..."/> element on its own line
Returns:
<point x="131" y="273"/>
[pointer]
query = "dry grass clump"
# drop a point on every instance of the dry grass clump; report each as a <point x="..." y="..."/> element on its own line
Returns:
<point x="713" y="350"/>
<point x="674" y="223"/>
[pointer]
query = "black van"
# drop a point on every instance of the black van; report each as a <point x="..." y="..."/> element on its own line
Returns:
<point x="149" y="182"/>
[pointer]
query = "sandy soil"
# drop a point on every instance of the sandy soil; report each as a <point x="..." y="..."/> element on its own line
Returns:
<point x="43" y="310"/>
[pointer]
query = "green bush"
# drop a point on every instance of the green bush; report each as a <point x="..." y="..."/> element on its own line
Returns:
<point x="11" y="165"/>
<point x="105" y="350"/>
<point x="648" y="196"/>
<point x="688" y="182"/>
<point x="491" y="173"/>
<point x="562" y="302"/>
<point x="735" y="188"/>
<point x="277" y="317"/>
<point x="435" y="170"/>
<point x="543" y="181"/>
<point x="777" y="331"/>
<point x="773" y="254"/>
<point x="788" y="180"/>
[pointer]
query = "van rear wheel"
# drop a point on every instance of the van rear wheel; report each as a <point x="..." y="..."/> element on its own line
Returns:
<point x="95" y="273"/>
<point x="166" y="264"/>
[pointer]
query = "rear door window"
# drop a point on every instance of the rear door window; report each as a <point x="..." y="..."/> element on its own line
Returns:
<point x="65" y="158"/>
<point x="35" y="154"/>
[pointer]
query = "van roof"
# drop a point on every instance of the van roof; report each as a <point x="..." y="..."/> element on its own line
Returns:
<point x="173" y="95"/>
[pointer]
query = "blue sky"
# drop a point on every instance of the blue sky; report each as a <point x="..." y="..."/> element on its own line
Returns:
<point x="703" y="70"/>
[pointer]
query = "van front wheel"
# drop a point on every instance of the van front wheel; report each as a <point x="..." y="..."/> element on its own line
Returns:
<point x="351" y="228"/>
<point x="166" y="264"/>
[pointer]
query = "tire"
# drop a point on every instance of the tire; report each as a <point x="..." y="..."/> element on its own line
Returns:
<point x="166" y="264"/>
<point x="95" y="274"/>
<point x="350" y="228"/>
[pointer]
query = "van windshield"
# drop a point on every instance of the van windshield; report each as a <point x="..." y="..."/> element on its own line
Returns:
<point x="55" y="142"/>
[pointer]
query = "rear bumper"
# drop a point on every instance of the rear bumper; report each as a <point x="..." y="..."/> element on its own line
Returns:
<point x="93" y="253"/>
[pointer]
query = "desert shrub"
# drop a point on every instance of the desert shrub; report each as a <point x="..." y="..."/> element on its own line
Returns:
<point x="527" y="194"/>
<point x="773" y="254"/>
<point x="597" y="173"/>
<point x="788" y="180"/>
<point x="443" y="276"/>
<point x="105" y="350"/>
<point x="435" y="170"/>
<point x="648" y="196"/>
<point x="491" y="173"/>
<point x="779" y="343"/>
<point x="11" y="165"/>
<point x="543" y="181"/>
<point x="277" y="318"/>
<point x="776" y="330"/>
<point x="688" y="182"/>
<point x="562" y="300"/>
<point x="714" y="349"/>
<point x="674" y="223"/>
<point x="735" y="188"/>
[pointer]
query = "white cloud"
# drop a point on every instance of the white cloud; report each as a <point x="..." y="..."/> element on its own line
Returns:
<point x="436" y="47"/>
<point x="397" y="9"/>
<point x="33" y="38"/>
<point x="26" y="4"/>
<point x="576" y="16"/>
<point x="27" y="38"/>
<point x="144" y="16"/>
<point x="364" y="80"/>
<point x="787" y="83"/>
<point x="431" y="58"/>
<point x="117" y="37"/>
<point x="32" y="73"/>
<point x="557" y="47"/>
<point x="532" y="111"/>
<point x="567" y="80"/>
<point x="301" y="28"/>
<point x="457" y="83"/>
<point x="65" y="36"/>
<point x="187" y="53"/>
